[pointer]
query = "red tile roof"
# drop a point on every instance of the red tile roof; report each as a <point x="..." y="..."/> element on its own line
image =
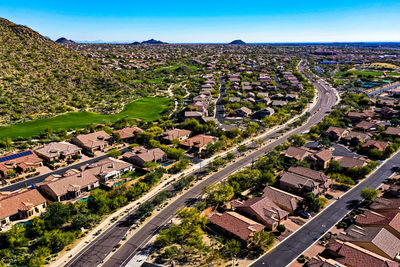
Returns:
<point x="236" y="224"/>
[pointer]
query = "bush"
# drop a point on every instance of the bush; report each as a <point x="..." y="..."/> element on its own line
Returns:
<point x="281" y="228"/>
<point x="328" y="196"/>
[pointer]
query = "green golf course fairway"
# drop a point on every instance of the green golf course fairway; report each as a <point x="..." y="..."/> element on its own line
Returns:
<point x="146" y="109"/>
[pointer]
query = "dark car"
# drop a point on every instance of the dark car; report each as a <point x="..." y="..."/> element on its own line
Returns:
<point x="304" y="214"/>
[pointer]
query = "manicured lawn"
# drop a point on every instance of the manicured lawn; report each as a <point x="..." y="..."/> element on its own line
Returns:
<point x="147" y="109"/>
<point x="156" y="80"/>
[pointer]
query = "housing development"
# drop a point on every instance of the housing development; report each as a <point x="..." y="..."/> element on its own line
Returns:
<point x="157" y="154"/>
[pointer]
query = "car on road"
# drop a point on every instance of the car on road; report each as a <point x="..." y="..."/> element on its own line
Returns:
<point x="304" y="214"/>
<point x="395" y="169"/>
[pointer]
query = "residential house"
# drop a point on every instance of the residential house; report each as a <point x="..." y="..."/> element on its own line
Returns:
<point x="128" y="134"/>
<point x="380" y="145"/>
<point x="58" y="151"/>
<point x="97" y="141"/>
<point x="358" y="116"/>
<point x="298" y="184"/>
<point x="279" y="103"/>
<point x="349" y="254"/>
<point x="393" y="131"/>
<point x="381" y="204"/>
<point x="283" y="199"/>
<point x="68" y="187"/>
<point x="193" y="115"/>
<point x="354" y="138"/>
<point x="335" y="133"/>
<point x="351" y="162"/>
<point x="375" y="239"/>
<point x="319" y="177"/>
<point x="262" y="210"/>
<point x="19" y="162"/>
<point x="173" y="134"/>
<point x="197" y="142"/>
<point x="366" y="126"/>
<point x="320" y="159"/>
<point x="388" y="220"/>
<point x="139" y="158"/>
<point x="262" y="113"/>
<point x="19" y="205"/>
<point x="75" y="182"/>
<point x="243" y="112"/>
<point x="297" y="153"/>
<point x="235" y="225"/>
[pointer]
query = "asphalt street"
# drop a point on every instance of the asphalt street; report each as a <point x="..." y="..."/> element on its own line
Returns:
<point x="94" y="254"/>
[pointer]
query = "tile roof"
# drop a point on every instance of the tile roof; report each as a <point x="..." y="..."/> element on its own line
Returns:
<point x="11" y="203"/>
<point x="385" y="241"/>
<point x="369" y="217"/>
<point x="351" y="162"/>
<point x="128" y="132"/>
<point x="309" y="173"/>
<point x="92" y="140"/>
<point x="236" y="224"/>
<point x="298" y="153"/>
<point x="264" y="208"/>
<point x="283" y="198"/>
<point x="352" y="255"/>
<point x="57" y="149"/>
<point x="381" y="203"/>
<point x="198" y="141"/>
<point x="174" y="134"/>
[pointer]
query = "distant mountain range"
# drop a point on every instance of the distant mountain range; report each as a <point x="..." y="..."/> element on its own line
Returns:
<point x="152" y="41"/>
<point x="237" y="42"/>
<point x="63" y="40"/>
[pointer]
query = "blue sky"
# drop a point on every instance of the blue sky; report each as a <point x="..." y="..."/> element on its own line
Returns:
<point x="210" y="21"/>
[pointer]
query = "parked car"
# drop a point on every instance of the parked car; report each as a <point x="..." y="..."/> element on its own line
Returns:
<point x="304" y="214"/>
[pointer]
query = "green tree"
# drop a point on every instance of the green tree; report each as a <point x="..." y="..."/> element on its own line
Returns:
<point x="36" y="227"/>
<point x="114" y="153"/>
<point x="16" y="237"/>
<point x="218" y="194"/>
<point x="262" y="240"/>
<point x="56" y="215"/>
<point x="232" y="248"/>
<point x="297" y="140"/>
<point x="369" y="194"/>
<point x="99" y="202"/>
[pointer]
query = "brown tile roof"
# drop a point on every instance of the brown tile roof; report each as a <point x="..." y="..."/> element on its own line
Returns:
<point x="393" y="131"/>
<point x="351" y="162"/>
<point x="236" y="224"/>
<point x="382" y="204"/>
<point x="198" y="141"/>
<point x="366" y="125"/>
<point x="381" y="145"/>
<point x="128" y="132"/>
<point x="386" y="242"/>
<point x="174" y="134"/>
<point x="369" y="217"/>
<point x="298" y="153"/>
<point x="283" y="198"/>
<point x="298" y="181"/>
<point x="338" y="131"/>
<point x="93" y="139"/>
<point x="312" y="174"/>
<point x="11" y="203"/>
<point x="352" y="255"/>
<point x="264" y="208"/>
<point x="57" y="149"/>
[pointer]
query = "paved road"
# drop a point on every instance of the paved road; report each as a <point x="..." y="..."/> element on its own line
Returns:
<point x="293" y="246"/>
<point x="95" y="254"/>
